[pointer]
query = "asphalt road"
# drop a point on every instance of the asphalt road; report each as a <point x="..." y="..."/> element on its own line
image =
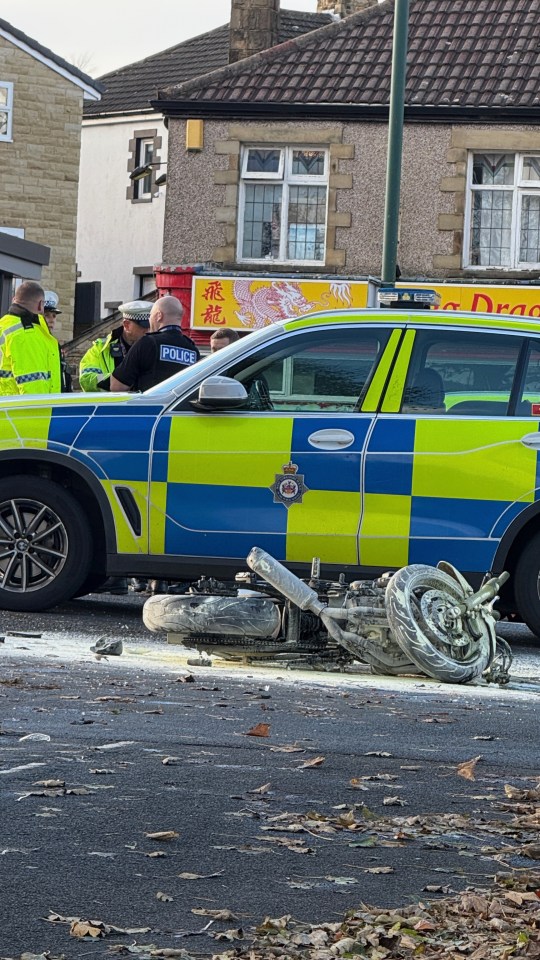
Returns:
<point x="268" y="834"/>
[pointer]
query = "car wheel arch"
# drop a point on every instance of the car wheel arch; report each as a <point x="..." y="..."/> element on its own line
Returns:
<point x="516" y="536"/>
<point x="81" y="482"/>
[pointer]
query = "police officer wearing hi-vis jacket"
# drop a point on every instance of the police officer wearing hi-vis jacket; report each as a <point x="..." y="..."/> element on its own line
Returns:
<point x="163" y="352"/>
<point x="29" y="354"/>
<point x="105" y="355"/>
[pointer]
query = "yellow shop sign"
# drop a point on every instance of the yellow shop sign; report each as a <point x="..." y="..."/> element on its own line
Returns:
<point x="249" y="303"/>
<point x="519" y="301"/>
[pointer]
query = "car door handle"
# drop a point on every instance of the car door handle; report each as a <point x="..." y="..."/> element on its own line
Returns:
<point x="531" y="440"/>
<point x="331" y="439"/>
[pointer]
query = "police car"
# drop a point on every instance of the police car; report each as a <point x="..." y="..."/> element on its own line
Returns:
<point x="369" y="438"/>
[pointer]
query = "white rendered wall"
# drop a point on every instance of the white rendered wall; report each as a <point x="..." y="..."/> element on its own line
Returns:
<point x="114" y="235"/>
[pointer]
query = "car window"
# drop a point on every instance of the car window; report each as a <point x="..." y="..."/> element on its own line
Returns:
<point x="327" y="370"/>
<point x="316" y="371"/>
<point x="529" y="399"/>
<point x="460" y="373"/>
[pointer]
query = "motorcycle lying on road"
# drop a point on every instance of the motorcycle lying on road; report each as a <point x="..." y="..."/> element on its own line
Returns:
<point x="421" y="618"/>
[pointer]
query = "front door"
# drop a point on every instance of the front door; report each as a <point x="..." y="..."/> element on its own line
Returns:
<point x="282" y="473"/>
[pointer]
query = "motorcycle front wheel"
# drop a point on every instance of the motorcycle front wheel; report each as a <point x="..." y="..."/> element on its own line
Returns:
<point x="419" y="601"/>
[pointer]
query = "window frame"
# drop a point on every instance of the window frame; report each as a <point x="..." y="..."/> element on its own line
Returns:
<point x="7" y="85"/>
<point x="141" y="144"/>
<point x="528" y="339"/>
<point x="518" y="189"/>
<point x="285" y="178"/>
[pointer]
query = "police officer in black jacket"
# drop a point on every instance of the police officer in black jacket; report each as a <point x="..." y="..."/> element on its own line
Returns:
<point x="160" y="354"/>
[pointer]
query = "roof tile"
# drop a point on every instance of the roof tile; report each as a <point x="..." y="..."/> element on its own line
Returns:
<point x="131" y="88"/>
<point x="465" y="52"/>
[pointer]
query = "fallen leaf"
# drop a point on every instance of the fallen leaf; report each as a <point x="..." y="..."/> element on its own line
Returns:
<point x="85" y="928"/>
<point x="377" y="753"/>
<point x="101" y="772"/>
<point x="229" y="935"/>
<point x="394" y="802"/>
<point x="156" y="853"/>
<point x="288" y="748"/>
<point x="200" y="876"/>
<point x="163" y="835"/>
<point x="308" y="764"/>
<point x="214" y="914"/>
<point x="169" y="761"/>
<point x="531" y="850"/>
<point x="259" y="730"/>
<point x="379" y="870"/>
<point x="187" y="678"/>
<point x="49" y="783"/>
<point x="467" y="769"/>
<point x="165" y="897"/>
<point x="357" y="784"/>
<point x="524" y="795"/>
<point x="261" y="790"/>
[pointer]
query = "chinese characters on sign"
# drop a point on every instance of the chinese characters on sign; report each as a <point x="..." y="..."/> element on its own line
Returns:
<point x="248" y="303"/>
<point x="213" y="294"/>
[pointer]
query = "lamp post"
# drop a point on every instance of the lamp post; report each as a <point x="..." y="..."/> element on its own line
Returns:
<point x="395" y="143"/>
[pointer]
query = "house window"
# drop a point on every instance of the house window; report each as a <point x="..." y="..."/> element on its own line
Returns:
<point x="283" y="204"/>
<point x="6" y="110"/>
<point x="504" y="211"/>
<point x="144" y="154"/>
<point x="144" y="148"/>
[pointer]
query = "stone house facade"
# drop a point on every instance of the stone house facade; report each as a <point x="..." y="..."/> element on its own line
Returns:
<point x="41" y="103"/>
<point x="291" y="176"/>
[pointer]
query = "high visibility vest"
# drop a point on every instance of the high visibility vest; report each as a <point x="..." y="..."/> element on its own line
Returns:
<point x="101" y="359"/>
<point x="29" y="357"/>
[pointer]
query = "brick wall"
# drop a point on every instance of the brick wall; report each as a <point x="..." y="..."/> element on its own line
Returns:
<point x="39" y="169"/>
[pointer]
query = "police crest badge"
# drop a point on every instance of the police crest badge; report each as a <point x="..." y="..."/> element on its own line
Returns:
<point x="289" y="486"/>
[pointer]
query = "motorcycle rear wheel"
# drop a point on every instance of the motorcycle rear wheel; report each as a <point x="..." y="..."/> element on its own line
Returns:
<point x="417" y="599"/>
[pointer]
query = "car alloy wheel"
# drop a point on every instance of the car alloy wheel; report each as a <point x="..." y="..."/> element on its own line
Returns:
<point x="33" y="545"/>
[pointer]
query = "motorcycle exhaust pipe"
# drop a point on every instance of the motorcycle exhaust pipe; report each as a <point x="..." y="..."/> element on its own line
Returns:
<point x="283" y="580"/>
<point x="304" y="597"/>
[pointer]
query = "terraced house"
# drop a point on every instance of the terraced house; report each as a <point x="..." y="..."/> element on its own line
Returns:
<point x="289" y="171"/>
<point x="41" y="103"/>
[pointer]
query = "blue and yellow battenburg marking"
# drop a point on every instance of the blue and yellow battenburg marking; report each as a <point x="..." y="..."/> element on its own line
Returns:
<point x="437" y="488"/>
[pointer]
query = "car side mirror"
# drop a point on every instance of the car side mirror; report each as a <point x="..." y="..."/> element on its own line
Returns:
<point x="220" y="393"/>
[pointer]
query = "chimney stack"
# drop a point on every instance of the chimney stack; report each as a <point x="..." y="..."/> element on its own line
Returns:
<point x="344" y="8"/>
<point x="254" y="27"/>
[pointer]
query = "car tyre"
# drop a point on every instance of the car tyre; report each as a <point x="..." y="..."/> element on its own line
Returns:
<point x="45" y="544"/>
<point x="527" y="585"/>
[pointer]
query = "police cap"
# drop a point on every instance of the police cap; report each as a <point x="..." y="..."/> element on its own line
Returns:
<point x="51" y="301"/>
<point x="138" y="311"/>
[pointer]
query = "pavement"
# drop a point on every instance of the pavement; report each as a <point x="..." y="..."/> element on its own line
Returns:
<point x="350" y="791"/>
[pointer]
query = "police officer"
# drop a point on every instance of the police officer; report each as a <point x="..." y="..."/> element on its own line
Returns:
<point x="29" y="354"/>
<point x="164" y="352"/>
<point x="50" y="309"/>
<point x="106" y="354"/>
<point x="50" y="313"/>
